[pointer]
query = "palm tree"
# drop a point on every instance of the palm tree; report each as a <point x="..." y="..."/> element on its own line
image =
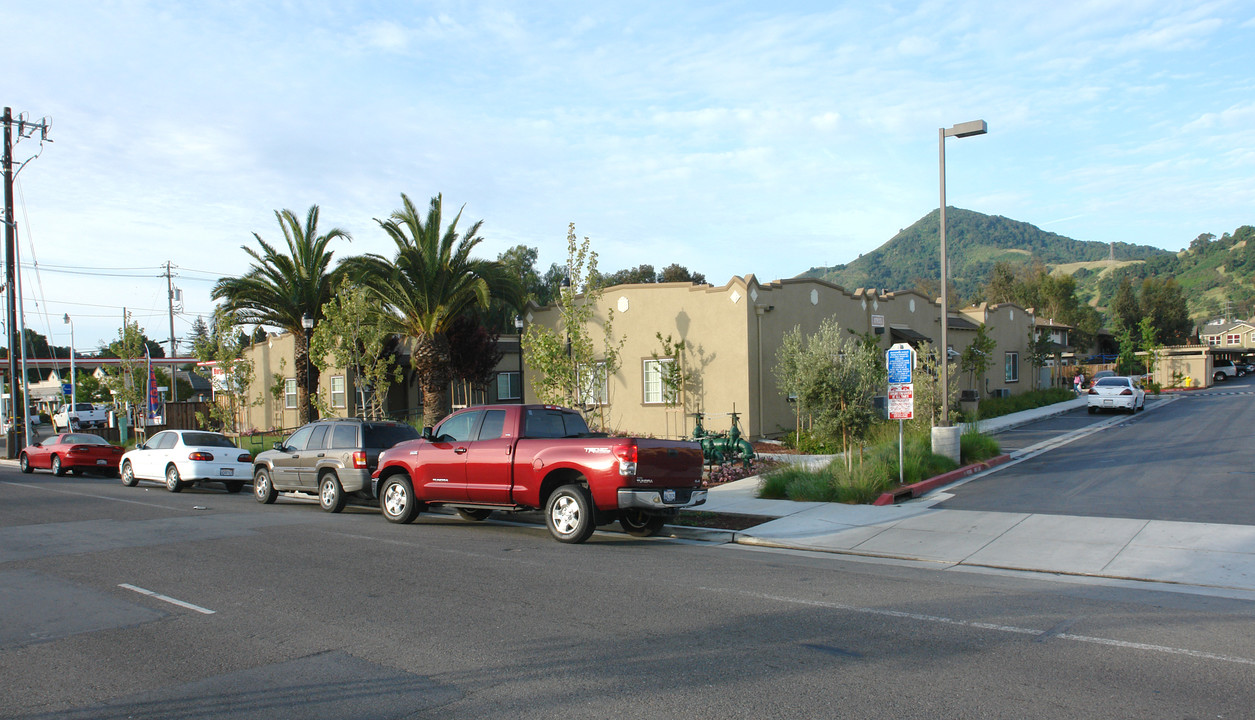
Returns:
<point x="279" y="290"/>
<point x="430" y="283"/>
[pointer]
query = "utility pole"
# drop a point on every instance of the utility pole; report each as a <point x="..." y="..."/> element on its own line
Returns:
<point x="174" y="385"/>
<point x="25" y="129"/>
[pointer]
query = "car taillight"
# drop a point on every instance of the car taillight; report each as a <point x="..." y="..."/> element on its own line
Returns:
<point x="359" y="459"/>
<point x="1126" y="391"/>
<point x="244" y="458"/>
<point x="201" y="456"/>
<point x="1093" y="391"/>
<point x="627" y="455"/>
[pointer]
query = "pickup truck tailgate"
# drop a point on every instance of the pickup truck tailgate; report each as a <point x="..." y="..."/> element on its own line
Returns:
<point x="670" y="463"/>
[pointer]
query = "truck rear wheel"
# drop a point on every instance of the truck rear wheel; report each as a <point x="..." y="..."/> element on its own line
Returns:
<point x="569" y="514"/>
<point x="640" y="524"/>
<point x="396" y="500"/>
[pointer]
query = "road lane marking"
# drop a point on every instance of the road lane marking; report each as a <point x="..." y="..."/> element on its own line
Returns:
<point x="941" y="620"/>
<point x="64" y="491"/>
<point x="167" y="598"/>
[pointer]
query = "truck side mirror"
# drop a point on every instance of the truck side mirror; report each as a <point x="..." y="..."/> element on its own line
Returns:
<point x="279" y="446"/>
<point x="427" y="433"/>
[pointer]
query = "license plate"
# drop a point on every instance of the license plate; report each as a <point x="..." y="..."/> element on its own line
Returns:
<point x="668" y="495"/>
<point x="102" y="462"/>
<point x="1108" y="403"/>
<point x="226" y="471"/>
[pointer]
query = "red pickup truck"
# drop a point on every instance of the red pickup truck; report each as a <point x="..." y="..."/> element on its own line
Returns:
<point x="531" y="457"/>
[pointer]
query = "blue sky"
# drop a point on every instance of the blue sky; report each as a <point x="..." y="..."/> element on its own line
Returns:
<point x="732" y="138"/>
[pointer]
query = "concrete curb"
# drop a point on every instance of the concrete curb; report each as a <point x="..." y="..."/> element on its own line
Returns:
<point x="924" y="487"/>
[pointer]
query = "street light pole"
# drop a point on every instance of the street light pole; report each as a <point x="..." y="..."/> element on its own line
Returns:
<point x="967" y="129"/>
<point x="73" y="376"/>
<point x="518" y="327"/>
<point x="307" y="322"/>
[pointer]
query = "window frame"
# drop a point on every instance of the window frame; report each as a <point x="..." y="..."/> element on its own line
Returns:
<point x="654" y="367"/>
<point x="290" y="393"/>
<point x="511" y="392"/>
<point x="331" y="392"/>
<point x="1011" y="366"/>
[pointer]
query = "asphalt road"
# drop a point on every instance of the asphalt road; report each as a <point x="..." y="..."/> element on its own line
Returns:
<point x="136" y="603"/>
<point x="1191" y="459"/>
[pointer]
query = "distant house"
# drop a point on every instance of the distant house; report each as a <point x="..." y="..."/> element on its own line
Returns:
<point x="1229" y="337"/>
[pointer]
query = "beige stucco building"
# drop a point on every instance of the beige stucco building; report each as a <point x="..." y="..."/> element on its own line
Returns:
<point x="733" y="332"/>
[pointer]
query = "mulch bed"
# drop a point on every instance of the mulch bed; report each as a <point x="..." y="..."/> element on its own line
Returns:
<point x="719" y="521"/>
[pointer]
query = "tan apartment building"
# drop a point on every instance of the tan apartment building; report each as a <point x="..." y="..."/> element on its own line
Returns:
<point x="732" y="334"/>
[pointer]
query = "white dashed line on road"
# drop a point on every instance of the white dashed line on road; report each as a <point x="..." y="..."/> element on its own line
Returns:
<point x="167" y="598"/>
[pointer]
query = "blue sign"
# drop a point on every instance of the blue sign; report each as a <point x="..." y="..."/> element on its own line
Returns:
<point x="900" y="360"/>
<point x="66" y="388"/>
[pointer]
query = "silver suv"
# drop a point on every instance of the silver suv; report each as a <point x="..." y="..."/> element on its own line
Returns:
<point x="333" y="458"/>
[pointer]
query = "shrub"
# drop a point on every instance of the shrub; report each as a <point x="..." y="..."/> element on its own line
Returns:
<point x="996" y="407"/>
<point x="876" y="474"/>
<point x="812" y="444"/>
<point x="974" y="447"/>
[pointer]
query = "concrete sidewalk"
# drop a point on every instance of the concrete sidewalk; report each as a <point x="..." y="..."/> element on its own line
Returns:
<point x="1203" y="557"/>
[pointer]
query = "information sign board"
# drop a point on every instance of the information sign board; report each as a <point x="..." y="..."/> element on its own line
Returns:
<point x="902" y="401"/>
<point x="900" y="361"/>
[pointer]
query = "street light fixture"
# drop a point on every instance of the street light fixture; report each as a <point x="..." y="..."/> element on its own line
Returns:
<point x="73" y="376"/>
<point x="962" y="130"/>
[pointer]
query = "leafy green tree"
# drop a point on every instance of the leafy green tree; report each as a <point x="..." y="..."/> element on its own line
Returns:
<point x="1164" y="303"/>
<point x="231" y="387"/>
<point x="428" y="285"/>
<point x="1126" y="360"/>
<point x="976" y="359"/>
<point x="1124" y="307"/>
<point x="834" y="377"/>
<point x="1038" y="353"/>
<point x="280" y="289"/>
<point x="569" y="367"/>
<point x="198" y="336"/>
<point x="678" y="273"/>
<point x="1150" y="343"/>
<point x="353" y="336"/>
<point x="127" y="382"/>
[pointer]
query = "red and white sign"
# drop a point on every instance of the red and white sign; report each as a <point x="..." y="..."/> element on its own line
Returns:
<point x="902" y="401"/>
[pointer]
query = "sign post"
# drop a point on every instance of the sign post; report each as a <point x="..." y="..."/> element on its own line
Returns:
<point x="900" y="362"/>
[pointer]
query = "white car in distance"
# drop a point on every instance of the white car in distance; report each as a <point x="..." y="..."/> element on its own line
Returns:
<point x="180" y="458"/>
<point x="1116" y="392"/>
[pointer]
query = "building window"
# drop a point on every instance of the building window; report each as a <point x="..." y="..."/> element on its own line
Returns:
<point x="337" y="391"/>
<point x="289" y="393"/>
<point x="592" y="383"/>
<point x="1233" y="339"/>
<point x="656" y="391"/>
<point x="1013" y="367"/>
<point x="509" y="386"/>
<point x="1213" y="339"/>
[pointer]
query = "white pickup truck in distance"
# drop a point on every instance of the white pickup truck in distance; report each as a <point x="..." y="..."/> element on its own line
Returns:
<point x="79" y="416"/>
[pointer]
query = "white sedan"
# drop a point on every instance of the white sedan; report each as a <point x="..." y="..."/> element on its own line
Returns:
<point x="180" y="458"/>
<point x="1116" y="392"/>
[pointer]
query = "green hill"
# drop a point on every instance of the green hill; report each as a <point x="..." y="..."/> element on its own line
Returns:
<point x="975" y="243"/>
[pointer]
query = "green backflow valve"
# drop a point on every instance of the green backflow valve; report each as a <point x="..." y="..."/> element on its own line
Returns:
<point x="720" y="448"/>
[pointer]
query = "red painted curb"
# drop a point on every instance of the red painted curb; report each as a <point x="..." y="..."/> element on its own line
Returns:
<point x="925" y="486"/>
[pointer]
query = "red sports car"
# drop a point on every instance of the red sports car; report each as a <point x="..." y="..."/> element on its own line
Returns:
<point x="71" y="451"/>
